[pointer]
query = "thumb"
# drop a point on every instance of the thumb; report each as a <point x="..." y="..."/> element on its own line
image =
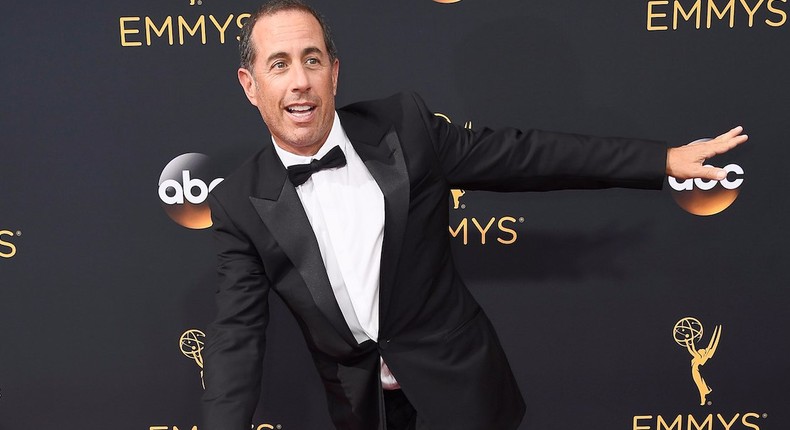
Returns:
<point x="710" y="172"/>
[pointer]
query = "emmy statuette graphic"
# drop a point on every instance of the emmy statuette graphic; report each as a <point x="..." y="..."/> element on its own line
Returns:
<point x="687" y="332"/>
<point x="191" y="344"/>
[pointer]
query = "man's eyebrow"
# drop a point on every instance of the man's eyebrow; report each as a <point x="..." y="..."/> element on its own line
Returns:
<point x="311" y="50"/>
<point x="276" y="55"/>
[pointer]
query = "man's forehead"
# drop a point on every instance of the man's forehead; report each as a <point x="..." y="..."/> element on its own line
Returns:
<point x="286" y="27"/>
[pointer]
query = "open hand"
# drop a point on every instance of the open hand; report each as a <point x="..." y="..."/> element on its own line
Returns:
<point x="688" y="161"/>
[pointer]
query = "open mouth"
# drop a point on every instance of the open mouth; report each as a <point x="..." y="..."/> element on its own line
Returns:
<point x="300" y="110"/>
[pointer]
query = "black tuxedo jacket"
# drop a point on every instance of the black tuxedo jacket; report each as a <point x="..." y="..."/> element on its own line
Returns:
<point x="433" y="335"/>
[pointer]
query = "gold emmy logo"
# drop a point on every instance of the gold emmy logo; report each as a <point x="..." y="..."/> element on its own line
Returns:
<point x="192" y="28"/>
<point x="191" y="344"/>
<point x="663" y="14"/>
<point x="456" y="194"/>
<point x="687" y="332"/>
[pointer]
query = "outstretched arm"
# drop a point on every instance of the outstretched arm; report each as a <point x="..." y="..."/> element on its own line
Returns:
<point x="687" y="161"/>
<point x="714" y="342"/>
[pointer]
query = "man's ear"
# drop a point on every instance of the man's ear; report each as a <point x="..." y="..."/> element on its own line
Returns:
<point x="247" y="82"/>
<point x="335" y="71"/>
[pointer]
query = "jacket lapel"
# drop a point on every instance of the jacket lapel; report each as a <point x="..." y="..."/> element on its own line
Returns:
<point x="380" y="149"/>
<point x="281" y="210"/>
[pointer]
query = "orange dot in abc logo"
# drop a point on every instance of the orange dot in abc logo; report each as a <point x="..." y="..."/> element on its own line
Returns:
<point x="708" y="197"/>
<point x="184" y="186"/>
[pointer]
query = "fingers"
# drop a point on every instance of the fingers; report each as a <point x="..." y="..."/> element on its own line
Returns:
<point x="732" y="133"/>
<point x="688" y="161"/>
<point x="683" y="166"/>
<point x="733" y="137"/>
<point x="726" y="142"/>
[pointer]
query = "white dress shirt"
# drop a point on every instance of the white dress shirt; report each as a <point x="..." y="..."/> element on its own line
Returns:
<point x="345" y="208"/>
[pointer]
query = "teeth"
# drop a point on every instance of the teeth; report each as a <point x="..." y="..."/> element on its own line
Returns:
<point x="300" y="109"/>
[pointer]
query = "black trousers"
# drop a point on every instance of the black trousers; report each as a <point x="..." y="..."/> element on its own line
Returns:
<point x="400" y="413"/>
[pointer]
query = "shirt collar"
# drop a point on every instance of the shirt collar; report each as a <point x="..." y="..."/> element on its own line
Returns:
<point x="337" y="137"/>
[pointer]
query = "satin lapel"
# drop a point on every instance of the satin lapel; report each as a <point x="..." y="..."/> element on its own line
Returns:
<point x="281" y="210"/>
<point x="386" y="164"/>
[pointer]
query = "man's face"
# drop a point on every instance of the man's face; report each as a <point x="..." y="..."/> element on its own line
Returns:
<point x="292" y="81"/>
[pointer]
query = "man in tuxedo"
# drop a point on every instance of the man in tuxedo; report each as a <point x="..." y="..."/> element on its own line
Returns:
<point x="344" y="215"/>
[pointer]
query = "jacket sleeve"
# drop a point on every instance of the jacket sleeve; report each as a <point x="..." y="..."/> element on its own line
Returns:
<point x="235" y="341"/>
<point x="510" y="159"/>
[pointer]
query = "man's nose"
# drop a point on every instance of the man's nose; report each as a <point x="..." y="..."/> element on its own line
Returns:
<point x="301" y="81"/>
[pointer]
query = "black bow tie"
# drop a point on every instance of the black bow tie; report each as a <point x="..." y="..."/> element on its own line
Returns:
<point x="300" y="173"/>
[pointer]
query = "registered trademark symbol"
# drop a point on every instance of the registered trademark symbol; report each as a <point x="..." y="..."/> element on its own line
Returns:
<point x="521" y="219"/>
<point x="199" y="2"/>
<point x="709" y="403"/>
<point x="463" y="205"/>
<point x="765" y="415"/>
<point x="278" y="426"/>
<point x="18" y="233"/>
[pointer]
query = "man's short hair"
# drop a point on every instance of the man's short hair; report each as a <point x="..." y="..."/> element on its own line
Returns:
<point x="246" y="47"/>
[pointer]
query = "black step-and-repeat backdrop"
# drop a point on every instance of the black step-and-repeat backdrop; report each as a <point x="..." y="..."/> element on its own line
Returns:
<point x="619" y="310"/>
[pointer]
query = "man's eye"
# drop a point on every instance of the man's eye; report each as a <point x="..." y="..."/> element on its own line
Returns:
<point x="279" y="65"/>
<point x="313" y="61"/>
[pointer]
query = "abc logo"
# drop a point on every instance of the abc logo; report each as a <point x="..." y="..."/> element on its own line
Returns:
<point x="703" y="197"/>
<point x="183" y="189"/>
